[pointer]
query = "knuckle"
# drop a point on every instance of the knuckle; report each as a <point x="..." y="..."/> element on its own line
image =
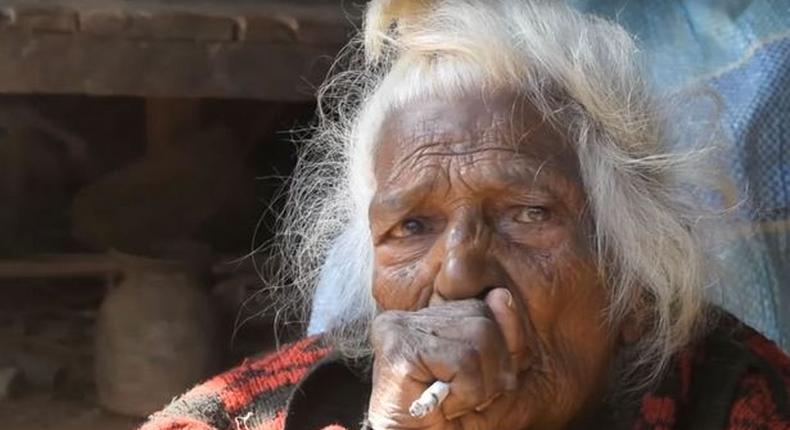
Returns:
<point x="386" y="320"/>
<point x="385" y="323"/>
<point x="388" y="346"/>
<point x="385" y="333"/>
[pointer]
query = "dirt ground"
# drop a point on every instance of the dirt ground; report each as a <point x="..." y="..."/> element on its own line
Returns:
<point x="42" y="411"/>
<point x="46" y="331"/>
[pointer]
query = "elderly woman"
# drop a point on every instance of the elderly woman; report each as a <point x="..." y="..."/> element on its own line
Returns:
<point x="491" y="202"/>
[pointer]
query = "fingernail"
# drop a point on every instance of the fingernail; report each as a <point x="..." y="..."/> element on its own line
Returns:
<point x="509" y="299"/>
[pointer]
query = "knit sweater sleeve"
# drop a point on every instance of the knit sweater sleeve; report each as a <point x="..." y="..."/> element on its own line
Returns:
<point x="762" y="396"/>
<point x="756" y="406"/>
<point x="176" y="423"/>
<point x="251" y="396"/>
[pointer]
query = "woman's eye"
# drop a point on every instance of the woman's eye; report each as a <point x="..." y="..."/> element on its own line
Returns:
<point x="531" y="214"/>
<point x="409" y="227"/>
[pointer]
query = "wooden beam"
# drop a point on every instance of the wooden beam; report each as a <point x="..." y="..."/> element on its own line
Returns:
<point x="57" y="63"/>
<point x="254" y="49"/>
<point x="311" y="22"/>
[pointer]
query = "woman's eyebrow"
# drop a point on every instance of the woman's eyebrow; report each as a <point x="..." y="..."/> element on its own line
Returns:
<point x="534" y="173"/>
<point x="403" y="197"/>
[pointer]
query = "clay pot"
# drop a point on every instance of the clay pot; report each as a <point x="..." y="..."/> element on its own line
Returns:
<point x="156" y="334"/>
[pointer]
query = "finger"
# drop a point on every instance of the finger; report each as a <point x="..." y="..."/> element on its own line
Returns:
<point x="494" y="358"/>
<point x="478" y="381"/>
<point x="393" y="349"/>
<point x="467" y="387"/>
<point x="470" y="353"/>
<point x="455" y="309"/>
<point x="457" y="363"/>
<point x="475" y="379"/>
<point x="505" y="312"/>
<point x="482" y="334"/>
<point x="394" y="389"/>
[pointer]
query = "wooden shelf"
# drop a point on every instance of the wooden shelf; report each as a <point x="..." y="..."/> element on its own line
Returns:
<point x="70" y="266"/>
<point x="59" y="266"/>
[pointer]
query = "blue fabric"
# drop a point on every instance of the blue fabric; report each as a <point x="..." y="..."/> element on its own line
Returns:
<point x="740" y="49"/>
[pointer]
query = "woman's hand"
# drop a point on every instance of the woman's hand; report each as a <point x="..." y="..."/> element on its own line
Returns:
<point x="461" y="343"/>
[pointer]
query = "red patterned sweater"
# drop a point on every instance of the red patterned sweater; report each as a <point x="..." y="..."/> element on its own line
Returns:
<point x="734" y="379"/>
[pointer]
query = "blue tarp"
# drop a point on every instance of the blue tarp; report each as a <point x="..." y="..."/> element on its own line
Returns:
<point x="741" y="50"/>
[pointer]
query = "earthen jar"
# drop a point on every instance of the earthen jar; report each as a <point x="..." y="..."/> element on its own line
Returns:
<point x="156" y="334"/>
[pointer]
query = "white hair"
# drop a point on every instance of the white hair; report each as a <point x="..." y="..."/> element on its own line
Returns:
<point x="581" y="72"/>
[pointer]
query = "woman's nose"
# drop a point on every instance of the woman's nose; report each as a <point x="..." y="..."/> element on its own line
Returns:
<point x="468" y="269"/>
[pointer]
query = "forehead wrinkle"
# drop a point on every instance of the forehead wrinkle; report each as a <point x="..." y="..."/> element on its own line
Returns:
<point x="421" y="132"/>
<point x="395" y="198"/>
<point x="518" y="171"/>
<point x="453" y="144"/>
<point x="440" y="138"/>
<point x="410" y="160"/>
<point x="520" y="168"/>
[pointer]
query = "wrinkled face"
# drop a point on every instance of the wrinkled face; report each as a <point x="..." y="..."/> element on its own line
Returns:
<point x="477" y="193"/>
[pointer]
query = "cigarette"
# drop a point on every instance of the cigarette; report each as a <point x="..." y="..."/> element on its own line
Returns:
<point x="430" y="399"/>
